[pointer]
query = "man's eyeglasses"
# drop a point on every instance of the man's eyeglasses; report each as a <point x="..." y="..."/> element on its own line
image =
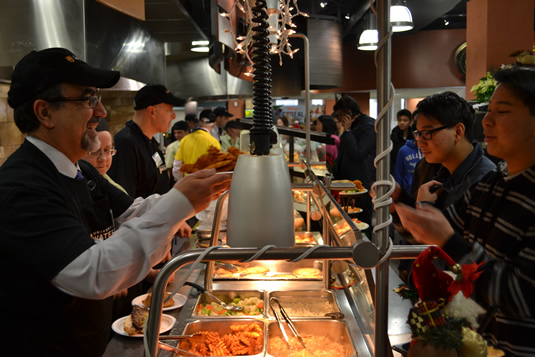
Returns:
<point x="100" y="154"/>
<point x="428" y="134"/>
<point x="92" y="100"/>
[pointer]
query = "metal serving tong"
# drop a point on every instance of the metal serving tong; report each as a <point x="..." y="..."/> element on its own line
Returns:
<point x="204" y="290"/>
<point x="196" y="337"/>
<point x="274" y="300"/>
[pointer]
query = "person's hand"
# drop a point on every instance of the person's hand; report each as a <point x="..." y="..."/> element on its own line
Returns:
<point x="184" y="230"/>
<point x="425" y="194"/>
<point x="426" y="223"/>
<point x="346" y="121"/>
<point x="202" y="187"/>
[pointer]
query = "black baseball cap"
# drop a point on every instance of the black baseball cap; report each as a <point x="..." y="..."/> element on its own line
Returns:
<point x="153" y="94"/>
<point x="40" y="70"/>
<point x="221" y="111"/>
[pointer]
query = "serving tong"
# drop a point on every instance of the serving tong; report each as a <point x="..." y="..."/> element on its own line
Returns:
<point x="197" y="337"/>
<point x="274" y="300"/>
<point x="204" y="290"/>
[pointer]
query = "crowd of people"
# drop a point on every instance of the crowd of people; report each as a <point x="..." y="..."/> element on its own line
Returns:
<point x="87" y="217"/>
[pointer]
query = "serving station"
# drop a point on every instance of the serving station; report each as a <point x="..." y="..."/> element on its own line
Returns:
<point x="324" y="283"/>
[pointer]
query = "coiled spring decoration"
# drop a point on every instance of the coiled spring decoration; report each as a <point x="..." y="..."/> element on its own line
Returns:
<point x="262" y="134"/>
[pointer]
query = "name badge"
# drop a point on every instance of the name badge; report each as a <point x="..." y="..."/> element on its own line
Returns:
<point x="159" y="162"/>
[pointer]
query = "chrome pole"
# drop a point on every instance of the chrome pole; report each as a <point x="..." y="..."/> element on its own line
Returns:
<point x="383" y="56"/>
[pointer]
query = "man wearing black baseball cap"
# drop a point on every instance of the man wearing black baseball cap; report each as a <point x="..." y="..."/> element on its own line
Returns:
<point x="139" y="165"/>
<point x="221" y="119"/>
<point x="52" y="205"/>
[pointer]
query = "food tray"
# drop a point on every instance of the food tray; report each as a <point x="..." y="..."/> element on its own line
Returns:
<point x="319" y="301"/>
<point x="226" y="296"/>
<point x="222" y="326"/>
<point x="269" y="270"/>
<point x="307" y="238"/>
<point x="336" y="331"/>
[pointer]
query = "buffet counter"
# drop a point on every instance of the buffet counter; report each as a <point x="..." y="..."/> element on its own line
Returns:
<point x="357" y="317"/>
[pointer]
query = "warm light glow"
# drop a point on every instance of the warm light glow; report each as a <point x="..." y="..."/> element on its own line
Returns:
<point x="368" y="40"/>
<point x="400" y="18"/>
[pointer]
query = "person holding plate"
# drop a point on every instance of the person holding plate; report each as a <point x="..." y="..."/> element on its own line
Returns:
<point x="59" y="280"/>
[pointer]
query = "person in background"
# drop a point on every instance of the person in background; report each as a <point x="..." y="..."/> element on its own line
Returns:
<point x="193" y="122"/>
<point x="53" y="206"/>
<point x="140" y="165"/>
<point x="196" y="143"/>
<point x="231" y="136"/>
<point x="179" y="129"/>
<point x="400" y="134"/>
<point x="445" y="136"/>
<point x="282" y="121"/>
<point x="493" y="224"/>
<point x="102" y="158"/>
<point x="339" y="127"/>
<point x="328" y="153"/>
<point x="221" y="119"/>
<point x="357" y="150"/>
<point x="407" y="158"/>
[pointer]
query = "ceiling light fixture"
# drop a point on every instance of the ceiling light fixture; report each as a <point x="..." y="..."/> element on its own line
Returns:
<point x="370" y="36"/>
<point x="446" y="22"/>
<point x="200" y="46"/>
<point x="400" y="17"/>
<point x="323" y="3"/>
<point x="347" y="16"/>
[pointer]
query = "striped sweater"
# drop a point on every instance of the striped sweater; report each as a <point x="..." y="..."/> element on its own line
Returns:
<point x="495" y="223"/>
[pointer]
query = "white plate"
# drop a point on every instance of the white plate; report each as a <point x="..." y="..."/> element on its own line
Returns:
<point x="179" y="300"/>
<point x="362" y="225"/>
<point x="346" y="193"/>
<point x="166" y="324"/>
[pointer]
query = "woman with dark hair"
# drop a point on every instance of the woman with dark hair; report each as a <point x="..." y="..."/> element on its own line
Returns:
<point x="326" y="124"/>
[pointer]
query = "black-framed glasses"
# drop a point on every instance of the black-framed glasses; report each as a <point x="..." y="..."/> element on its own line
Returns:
<point x="99" y="154"/>
<point x="428" y="134"/>
<point x="92" y="100"/>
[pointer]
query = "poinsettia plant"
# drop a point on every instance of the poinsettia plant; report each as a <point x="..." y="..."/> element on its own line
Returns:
<point x="485" y="88"/>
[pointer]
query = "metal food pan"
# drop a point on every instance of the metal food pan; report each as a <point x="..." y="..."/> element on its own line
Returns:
<point x="223" y="327"/>
<point x="275" y="270"/>
<point x="227" y="296"/>
<point x="307" y="238"/>
<point x="315" y="303"/>
<point x="336" y="331"/>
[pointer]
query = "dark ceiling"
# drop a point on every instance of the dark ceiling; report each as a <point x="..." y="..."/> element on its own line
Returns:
<point x="179" y="22"/>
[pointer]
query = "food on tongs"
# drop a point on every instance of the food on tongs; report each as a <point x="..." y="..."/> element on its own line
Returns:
<point x="148" y="299"/>
<point x="133" y="325"/>
<point x="214" y="159"/>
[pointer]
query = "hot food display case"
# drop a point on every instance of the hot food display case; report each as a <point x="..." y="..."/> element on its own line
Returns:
<point x="324" y="284"/>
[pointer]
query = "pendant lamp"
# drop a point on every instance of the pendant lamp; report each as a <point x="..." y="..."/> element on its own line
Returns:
<point x="370" y="36"/>
<point x="400" y="16"/>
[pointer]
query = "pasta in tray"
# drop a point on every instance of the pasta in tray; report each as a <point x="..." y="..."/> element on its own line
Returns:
<point x="244" y="339"/>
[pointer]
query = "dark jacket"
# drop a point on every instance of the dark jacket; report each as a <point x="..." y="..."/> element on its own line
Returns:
<point x="134" y="166"/>
<point x="357" y="152"/>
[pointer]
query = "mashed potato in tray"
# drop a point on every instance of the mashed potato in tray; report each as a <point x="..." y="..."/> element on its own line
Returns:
<point x="317" y="346"/>
<point x="306" y="306"/>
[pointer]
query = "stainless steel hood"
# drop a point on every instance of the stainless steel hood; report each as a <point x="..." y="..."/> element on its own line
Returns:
<point x="97" y="34"/>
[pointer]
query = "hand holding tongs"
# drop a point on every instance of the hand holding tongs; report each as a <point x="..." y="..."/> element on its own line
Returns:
<point x="274" y="300"/>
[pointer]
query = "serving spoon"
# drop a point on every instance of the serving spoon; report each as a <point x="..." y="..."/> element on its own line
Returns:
<point x="225" y="305"/>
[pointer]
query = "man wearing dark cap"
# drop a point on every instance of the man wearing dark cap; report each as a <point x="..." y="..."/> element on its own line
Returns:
<point x="139" y="165"/>
<point x="221" y="119"/>
<point x="196" y="143"/>
<point x="193" y="122"/>
<point x="52" y="205"/>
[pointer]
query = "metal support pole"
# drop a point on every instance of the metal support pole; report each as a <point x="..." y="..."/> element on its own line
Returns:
<point x="382" y="343"/>
<point x="307" y="92"/>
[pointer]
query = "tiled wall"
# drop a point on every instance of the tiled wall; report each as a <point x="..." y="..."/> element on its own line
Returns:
<point x="119" y="105"/>
<point x="10" y="136"/>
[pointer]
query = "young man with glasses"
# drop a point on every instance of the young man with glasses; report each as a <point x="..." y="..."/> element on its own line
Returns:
<point x="58" y="282"/>
<point x="494" y="222"/>
<point x="444" y="135"/>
